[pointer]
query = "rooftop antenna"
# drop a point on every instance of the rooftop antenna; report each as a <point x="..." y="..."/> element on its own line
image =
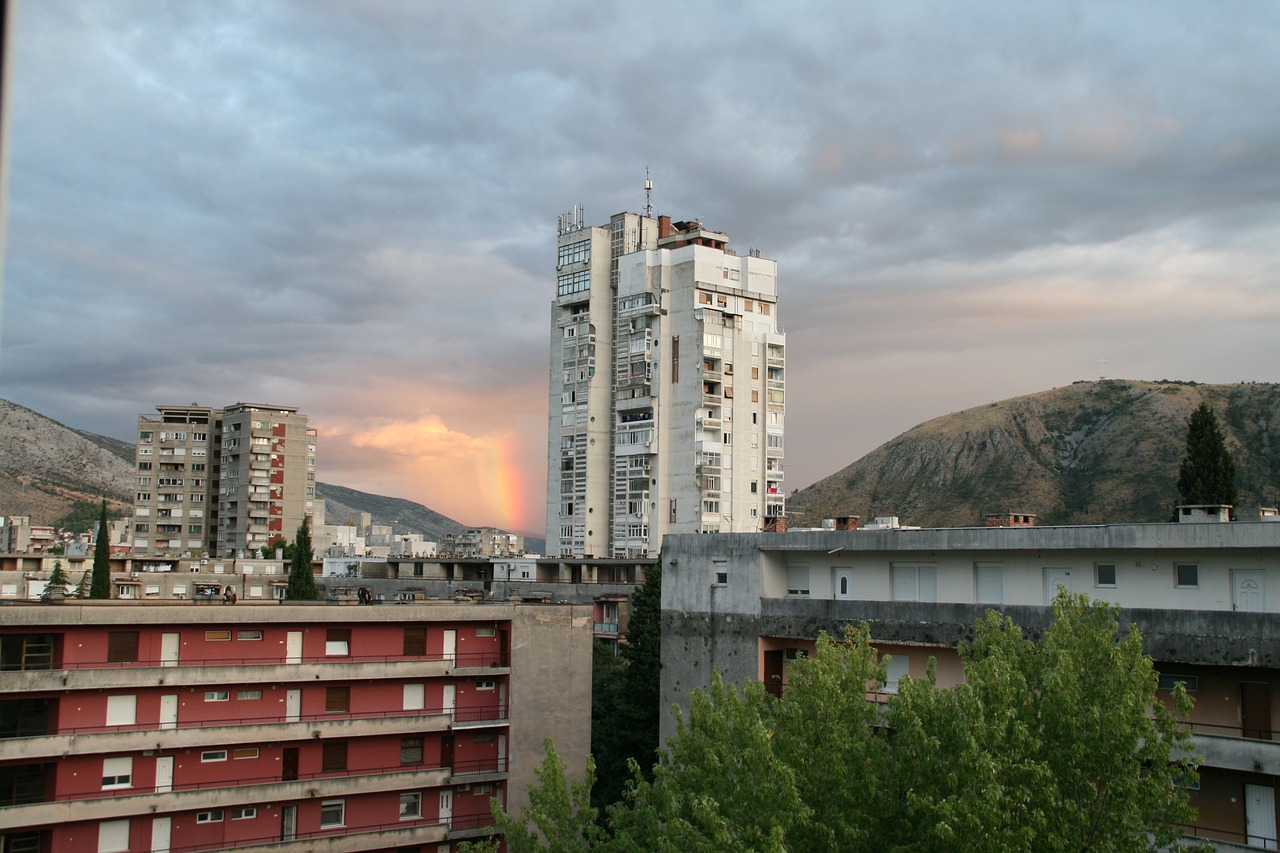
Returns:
<point x="648" y="194"/>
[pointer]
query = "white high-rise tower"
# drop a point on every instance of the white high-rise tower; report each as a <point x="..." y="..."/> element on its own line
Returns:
<point x="666" y="389"/>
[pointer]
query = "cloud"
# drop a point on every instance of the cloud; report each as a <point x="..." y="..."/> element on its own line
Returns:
<point x="350" y="207"/>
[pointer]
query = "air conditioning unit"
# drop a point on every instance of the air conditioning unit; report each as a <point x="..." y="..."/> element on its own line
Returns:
<point x="466" y="787"/>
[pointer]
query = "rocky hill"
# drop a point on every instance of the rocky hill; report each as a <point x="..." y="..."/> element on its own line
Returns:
<point x="342" y="505"/>
<point x="47" y="468"/>
<point x="1086" y="453"/>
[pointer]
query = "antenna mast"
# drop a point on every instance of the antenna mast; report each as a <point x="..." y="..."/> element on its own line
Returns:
<point x="648" y="194"/>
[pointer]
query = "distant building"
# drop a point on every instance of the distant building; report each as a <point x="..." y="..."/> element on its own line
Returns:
<point x="221" y="481"/>
<point x="19" y="536"/>
<point x="1206" y="597"/>
<point x="298" y="727"/>
<point x="666" y="396"/>
<point x="481" y="542"/>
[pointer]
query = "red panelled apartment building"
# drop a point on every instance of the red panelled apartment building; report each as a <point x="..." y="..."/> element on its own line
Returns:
<point x="180" y="727"/>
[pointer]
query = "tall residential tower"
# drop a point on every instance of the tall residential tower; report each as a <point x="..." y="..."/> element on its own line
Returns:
<point x="666" y="392"/>
<point x="221" y="481"/>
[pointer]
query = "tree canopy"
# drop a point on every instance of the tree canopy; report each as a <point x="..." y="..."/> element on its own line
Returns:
<point x="100" y="582"/>
<point x="302" y="579"/>
<point x="1207" y="474"/>
<point x="1057" y="743"/>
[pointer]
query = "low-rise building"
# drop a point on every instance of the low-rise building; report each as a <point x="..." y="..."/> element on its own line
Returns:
<point x="748" y="604"/>
<point x="308" y="727"/>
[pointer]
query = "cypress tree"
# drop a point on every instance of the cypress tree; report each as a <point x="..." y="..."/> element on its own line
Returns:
<point x="1207" y="474"/>
<point x="302" y="583"/>
<point x="100" y="585"/>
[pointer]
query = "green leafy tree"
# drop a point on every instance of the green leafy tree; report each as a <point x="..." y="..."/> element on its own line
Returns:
<point x="100" y="585"/>
<point x="558" y="819"/>
<point x="58" y="580"/>
<point x="302" y="580"/>
<point x="1207" y="474"/>
<point x="278" y="542"/>
<point x="1057" y="744"/>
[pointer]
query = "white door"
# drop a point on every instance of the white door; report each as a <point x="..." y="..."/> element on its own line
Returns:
<point x="169" y="643"/>
<point x="1260" y="816"/>
<point x="502" y="753"/>
<point x="164" y="775"/>
<point x="1054" y="578"/>
<point x="449" y="700"/>
<point x="450" y="644"/>
<point x="293" y="647"/>
<point x="446" y="806"/>
<point x="160" y="828"/>
<point x="169" y="711"/>
<point x="1248" y="592"/>
<point x="844" y="584"/>
<point x="293" y="706"/>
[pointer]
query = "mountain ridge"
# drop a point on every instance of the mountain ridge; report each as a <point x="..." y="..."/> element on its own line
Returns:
<point x="1086" y="453"/>
<point x="47" y="467"/>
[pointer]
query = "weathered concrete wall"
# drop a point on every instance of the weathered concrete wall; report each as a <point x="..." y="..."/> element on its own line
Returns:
<point x="550" y="691"/>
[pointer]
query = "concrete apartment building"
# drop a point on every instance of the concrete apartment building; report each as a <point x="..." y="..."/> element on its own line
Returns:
<point x="221" y="481"/>
<point x="666" y="406"/>
<point x="1206" y="597"/>
<point x="176" y="727"/>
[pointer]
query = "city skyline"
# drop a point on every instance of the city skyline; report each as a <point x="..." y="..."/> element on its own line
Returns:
<point x="351" y="209"/>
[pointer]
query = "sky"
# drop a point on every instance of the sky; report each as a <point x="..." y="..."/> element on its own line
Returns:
<point x="350" y="207"/>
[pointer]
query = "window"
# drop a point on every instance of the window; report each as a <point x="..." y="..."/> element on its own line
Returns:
<point x="1190" y="683"/>
<point x="486" y="684"/>
<point x="896" y="666"/>
<point x="337" y="700"/>
<point x="248" y="695"/>
<point x="122" y="710"/>
<point x="211" y="755"/>
<point x="244" y="813"/>
<point x="217" y="636"/>
<point x="333" y="756"/>
<point x="411" y="750"/>
<point x="798" y="580"/>
<point x="411" y="805"/>
<point x="217" y="695"/>
<point x="249" y="635"/>
<point x="414" y="697"/>
<point x="485" y="631"/>
<point x="482" y="737"/>
<point x="245" y="752"/>
<point x="337" y="641"/>
<point x="1104" y="574"/>
<point x="415" y="640"/>
<point x="988" y="581"/>
<point x="113" y="836"/>
<point x="117" y="773"/>
<point x="332" y="813"/>
<point x="915" y="583"/>
<point x="122" y="647"/>
<point x="1187" y="574"/>
<point x="722" y="571"/>
<point x="209" y="816"/>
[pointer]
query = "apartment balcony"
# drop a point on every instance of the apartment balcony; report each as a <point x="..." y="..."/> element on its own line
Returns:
<point x="1227" y="748"/>
<point x="100" y="676"/>
<point x="212" y="795"/>
<point x="179" y="735"/>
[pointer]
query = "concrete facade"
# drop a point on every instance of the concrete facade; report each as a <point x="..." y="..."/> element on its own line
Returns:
<point x="665" y="349"/>
<point x="746" y="605"/>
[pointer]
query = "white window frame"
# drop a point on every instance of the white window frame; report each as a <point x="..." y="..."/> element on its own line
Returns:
<point x="328" y="822"/>
<point x="413" y="799"/>
<point x="117" y="772"/>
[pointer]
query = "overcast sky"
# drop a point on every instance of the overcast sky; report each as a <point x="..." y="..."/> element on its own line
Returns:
<point x="350" y="207"/>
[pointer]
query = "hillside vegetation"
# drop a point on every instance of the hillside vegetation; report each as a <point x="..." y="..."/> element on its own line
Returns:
<point x="1087" y="453"/>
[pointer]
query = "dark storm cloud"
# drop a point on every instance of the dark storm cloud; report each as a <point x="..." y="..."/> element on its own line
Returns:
<point x="349" y="206"/>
